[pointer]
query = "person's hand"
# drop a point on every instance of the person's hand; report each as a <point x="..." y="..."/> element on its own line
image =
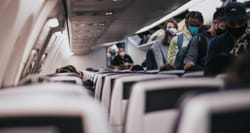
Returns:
<point x="188" y="65"/>
<point x="126" y="64"/>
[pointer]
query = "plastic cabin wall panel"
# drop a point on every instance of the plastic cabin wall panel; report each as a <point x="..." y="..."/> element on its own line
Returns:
<point x="13" y="16"/>
<point x="96" y="59"/>
<point x="58" y="55"/>
<point x="136" y="54"/>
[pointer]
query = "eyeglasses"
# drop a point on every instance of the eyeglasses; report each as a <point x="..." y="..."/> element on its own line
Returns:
<point x="237" y="23"/>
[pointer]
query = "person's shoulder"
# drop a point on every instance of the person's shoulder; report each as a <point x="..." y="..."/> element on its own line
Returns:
<point x="127" y="55"/>
<point x="117" y="57"/>
<point x="175" y="38"/>
<point x="219" y="39"/>
<point x="157" y="35"/>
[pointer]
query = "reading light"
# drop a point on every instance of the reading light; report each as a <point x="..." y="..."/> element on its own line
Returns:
<point x="53" y="22"/>
<point x="108" y="13"/>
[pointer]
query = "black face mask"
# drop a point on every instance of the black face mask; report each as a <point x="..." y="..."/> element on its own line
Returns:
<point x="237" y="32"/>
<point x="219" y="31"/>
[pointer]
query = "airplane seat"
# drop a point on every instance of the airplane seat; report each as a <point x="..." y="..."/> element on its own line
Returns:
<point x="120" y="96"/>
<point x="66" y="79"/>
<point x="221" y="76"/>
<point x="99" y="84"/>
<point x="62" y="74"/>
<point x="108" y="88"/>
<point x="50" y="87"/>
<point x="196" y="74"/>
<point x="227" y="111"/>
<point x="155" y="102"/>
<point x="173" y="72"/>
<point x="69" y="78"/>
<point x="55" y="77"/>
<point x="50" y="113"/>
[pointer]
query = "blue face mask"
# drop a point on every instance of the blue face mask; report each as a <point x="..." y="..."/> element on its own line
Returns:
<point x="193" y="30"/>
<point x="170" y="32"/>
<point x="113" y="52"/>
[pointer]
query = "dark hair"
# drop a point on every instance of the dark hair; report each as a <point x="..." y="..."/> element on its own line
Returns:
<point x="203" y="28"/>
<point x="219" y="13"/>
<point x="194" y="15"/>
<point x="137" y="68"/>
<point x="66" y="69"/>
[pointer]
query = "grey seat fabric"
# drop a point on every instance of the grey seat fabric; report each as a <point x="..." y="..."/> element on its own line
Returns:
<point x="120" y="96"/>
<point x="153" y="103"/>
<point x="227" y="111"/>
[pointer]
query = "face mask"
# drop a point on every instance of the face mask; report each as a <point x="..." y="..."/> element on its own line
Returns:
<point x="237" y="32"/>
<point x="122" y="54"/>
<point x="193" y="30"/>
<point x="219" y="31"/>
<point x="171" y="31"/>
<point x="113" y="52"/>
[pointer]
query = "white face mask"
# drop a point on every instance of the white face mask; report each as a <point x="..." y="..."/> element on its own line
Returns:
<point x="122" y="54"/>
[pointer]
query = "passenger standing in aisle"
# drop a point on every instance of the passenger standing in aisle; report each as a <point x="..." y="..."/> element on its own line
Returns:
<point x="193" y="21"/>
<point x="196" y="53"/>
<point x="163" y="38"/>
<point x="234" y="41"/>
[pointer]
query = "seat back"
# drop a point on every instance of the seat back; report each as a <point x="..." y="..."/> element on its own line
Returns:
<point x="173" y="72"/>
<point x="50" y="87"/>
<point x="108" y="88"/>
<point x="66" y="79"/>
<point x="193" y="74"/>
<point x="227" y="112"/>
<point x="50" y="113"/>
<point x="121" y="94"/>
<point x="155" y="102"/>
<point x="99" y="85"/>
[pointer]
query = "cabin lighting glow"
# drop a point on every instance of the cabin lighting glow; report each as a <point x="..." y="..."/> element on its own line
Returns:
<point x="53" y="23"/>
<point x="58" y="33"/>
<point x="82" y="25"/>
<point x="108" y="13"/>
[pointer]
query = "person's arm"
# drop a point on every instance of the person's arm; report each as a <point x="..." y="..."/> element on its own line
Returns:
<point x="212" y="48"/>
<point x="192" y="53"/>
<point x="172" y="51"/>
<point x="130" y="61"/>
<point x="157" y="54"/>
<point x="115" y="63"/>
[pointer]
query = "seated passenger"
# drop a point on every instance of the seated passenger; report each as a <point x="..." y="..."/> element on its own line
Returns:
<point x="70" y="69"/>
<point x="236" y="39"/>
<point x="196" y="53"/>
<point x="122" y="61"/>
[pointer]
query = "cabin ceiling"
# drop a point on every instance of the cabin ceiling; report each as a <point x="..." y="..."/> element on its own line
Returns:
<point x="94" y="22"/>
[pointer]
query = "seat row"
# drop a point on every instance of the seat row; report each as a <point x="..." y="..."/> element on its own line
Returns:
<point x="128" y="103"/>
<point x="147" y="103"/>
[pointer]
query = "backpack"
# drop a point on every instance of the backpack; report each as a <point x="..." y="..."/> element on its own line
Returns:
<point x="150" y="60"/>
<point x="179" y="59"/>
